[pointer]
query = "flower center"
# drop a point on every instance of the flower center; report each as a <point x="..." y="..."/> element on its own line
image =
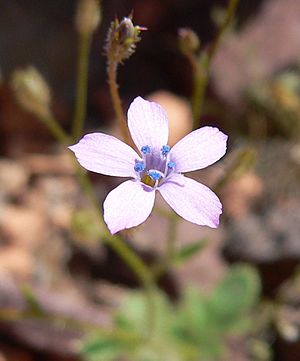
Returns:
<point x="155" y="166"/>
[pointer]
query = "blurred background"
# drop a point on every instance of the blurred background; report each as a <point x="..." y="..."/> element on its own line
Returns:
<point x="47" y="249"/>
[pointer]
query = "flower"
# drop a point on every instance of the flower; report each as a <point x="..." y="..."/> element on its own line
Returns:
<point x="158" y="167"/>
<point x="121" y="39"/>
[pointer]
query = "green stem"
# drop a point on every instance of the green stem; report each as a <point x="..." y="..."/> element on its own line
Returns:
<point x="87" y="187"/>
<point x="81" y="174"/>
<point x="171" y="240"/>
<point x="142" y="272"/>
<point x="201" y="74"/>
<point x="82" y="84"/>
<point x="200" y="82"/>
<point x="56" y="130"/>
<point x="116" y="100"/>
<point x="130" y="257"/>
<point x="231" y="9"/>
<point x="163" y="212"/>
<point x="125" y="252"/>
<point x="12" y="315"/>
<point x="134" y="262"/>
<point x="160" y="268"/>
<point x="116" y="242"/>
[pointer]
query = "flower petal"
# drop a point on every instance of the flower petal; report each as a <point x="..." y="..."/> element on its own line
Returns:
<point x="128" y="205"/>
<point x="199" y="149"/>
<point x="176" y="178"/>
<point x="105" y="154"/>
<point x="194" y="202"/>
<point x="148" y="123"/>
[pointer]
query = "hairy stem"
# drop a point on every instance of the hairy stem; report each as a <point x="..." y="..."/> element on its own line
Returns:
<point x="116" y="100"/>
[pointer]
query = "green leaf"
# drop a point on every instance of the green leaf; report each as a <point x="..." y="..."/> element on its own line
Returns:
<point x="159" y="350"/>
<point x="133" y="317"/>
<point x="193" y="326"/>
<point x="205" y="322"/>
<point x="188" y="251"/>
<point x="234" y="297"/>
<point x="133" y="314"/>
<point x="102" y="348"/>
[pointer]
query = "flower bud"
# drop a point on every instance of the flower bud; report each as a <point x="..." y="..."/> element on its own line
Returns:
<point x="126" y="32"/>
<point x="32" y="91"/>
<point x="121" y="39"/>
<point x="188" y="40"/>
<point x="88" y="16"/>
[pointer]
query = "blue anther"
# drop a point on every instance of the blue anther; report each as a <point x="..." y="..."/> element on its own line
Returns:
<point x="171" y="165"/>
<point x="145" y="149"/>
<point x="139" y="166"/>
<point x="155" y="175"/>
<point x="165" y="149"/>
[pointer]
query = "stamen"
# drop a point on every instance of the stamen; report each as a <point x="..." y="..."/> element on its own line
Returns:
<point x="165" y="149"/>
<point x="145" y="149"/>
<point x="139" y="166"/>
<point x="155" y="174"/>
<point x="171" y="165"/>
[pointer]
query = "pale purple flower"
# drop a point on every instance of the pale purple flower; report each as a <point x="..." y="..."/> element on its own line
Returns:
<point x="157" y="167"/>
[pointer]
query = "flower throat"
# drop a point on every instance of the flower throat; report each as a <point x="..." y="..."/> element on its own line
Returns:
<point x="155" y="166"/>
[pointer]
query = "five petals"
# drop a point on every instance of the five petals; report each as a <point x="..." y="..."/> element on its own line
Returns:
<point x="131" y="203"/>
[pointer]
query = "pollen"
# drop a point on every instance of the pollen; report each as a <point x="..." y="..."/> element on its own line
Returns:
<point x="139" y="166"/>
<point x="171" y="165"/>
<point x="146" y="149"/>
<point x="165" y="149"/>
<point x="155" y="174"/>
<point x="155" y="166"/>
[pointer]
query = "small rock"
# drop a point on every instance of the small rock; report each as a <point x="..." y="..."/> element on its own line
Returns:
<point x="271" y="236"/>
<point x="253" y="54"/>
<point x="60" y="163"/>
<point x="22" y="225"/>
<point x="55" y="197"/>
<point x="16" y="262"/>
<point x="239" y="194"/>
<point x="13" y="178"/>
<point x="265" y="208"/>
<point x="2" y="357"/>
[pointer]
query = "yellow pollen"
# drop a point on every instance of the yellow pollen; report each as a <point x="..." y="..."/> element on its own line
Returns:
<point x="148" y="180"/>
